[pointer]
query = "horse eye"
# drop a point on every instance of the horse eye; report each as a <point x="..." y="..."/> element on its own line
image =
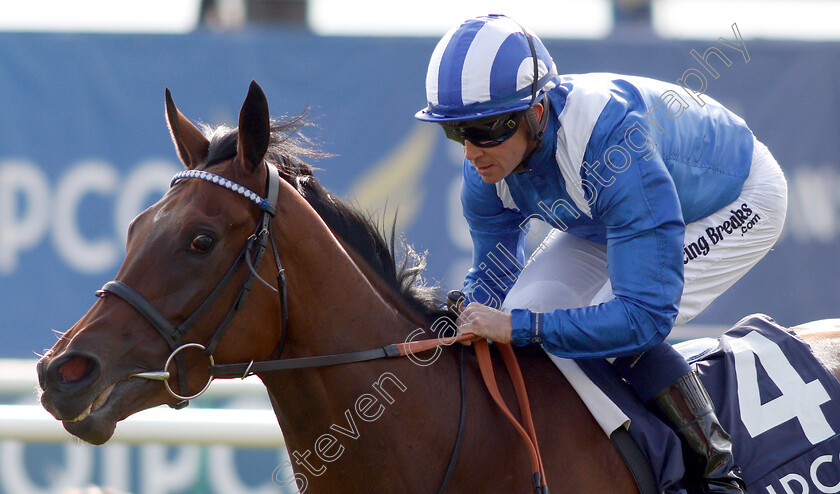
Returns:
<point x="202" y="243"/>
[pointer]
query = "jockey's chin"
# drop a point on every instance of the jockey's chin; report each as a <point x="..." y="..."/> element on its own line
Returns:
<point x="490" y="173"/>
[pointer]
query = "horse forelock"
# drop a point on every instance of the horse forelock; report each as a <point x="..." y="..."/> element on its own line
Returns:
<point x="287" y="148"/>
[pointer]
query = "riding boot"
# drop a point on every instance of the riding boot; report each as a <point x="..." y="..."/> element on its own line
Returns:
<point x="707" y="447"/>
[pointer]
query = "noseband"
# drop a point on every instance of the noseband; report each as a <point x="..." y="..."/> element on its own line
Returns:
<point x="251" y="254"/>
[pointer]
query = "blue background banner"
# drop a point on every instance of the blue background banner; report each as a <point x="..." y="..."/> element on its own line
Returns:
<point x="84" y="148"/>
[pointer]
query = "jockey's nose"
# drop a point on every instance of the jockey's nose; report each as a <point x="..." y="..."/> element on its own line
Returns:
<point x="471" y="151"/>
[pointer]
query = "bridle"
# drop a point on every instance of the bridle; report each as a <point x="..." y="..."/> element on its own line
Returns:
<point x="251" y="254"/>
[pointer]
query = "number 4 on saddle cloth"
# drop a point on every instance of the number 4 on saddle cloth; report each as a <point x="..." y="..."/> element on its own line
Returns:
<point x="778" y="402"/>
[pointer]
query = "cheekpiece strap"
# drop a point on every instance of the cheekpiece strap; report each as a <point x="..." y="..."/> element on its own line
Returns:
<point x="273" y="190"/>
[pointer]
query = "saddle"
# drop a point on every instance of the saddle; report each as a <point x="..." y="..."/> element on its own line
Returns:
<point x="777" y="400"/>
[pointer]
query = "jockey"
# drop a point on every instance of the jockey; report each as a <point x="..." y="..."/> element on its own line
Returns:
<point x="658" y="201"/>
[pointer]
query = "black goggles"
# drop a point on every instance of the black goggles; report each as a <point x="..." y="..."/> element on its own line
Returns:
<point x="487" y="134"/>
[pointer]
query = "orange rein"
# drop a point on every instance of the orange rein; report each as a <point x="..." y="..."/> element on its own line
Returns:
<point x="482" y="350"/>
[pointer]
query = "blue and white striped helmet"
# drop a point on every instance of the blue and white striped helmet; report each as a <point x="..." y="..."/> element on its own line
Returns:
<point x="485" y="67"/>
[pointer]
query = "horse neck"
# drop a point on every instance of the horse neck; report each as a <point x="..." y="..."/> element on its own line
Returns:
<point x="394" y="299"/>
<point x="333" y="306"/>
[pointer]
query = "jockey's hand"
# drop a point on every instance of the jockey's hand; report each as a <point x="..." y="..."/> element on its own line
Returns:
<point x="485" y="322"/>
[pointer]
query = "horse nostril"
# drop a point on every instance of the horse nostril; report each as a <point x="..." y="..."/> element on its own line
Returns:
<point x="76" y="369"/>
<point x="42" y="378"/>
<point x="67" y="372"/>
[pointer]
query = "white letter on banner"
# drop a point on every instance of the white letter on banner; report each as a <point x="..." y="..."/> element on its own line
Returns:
<point x="799" y="400"/>
<point x="87" y="256"/>
<point x="144" y="185"/>
<point x="116" y="465"/>
<point x="21" y="229"/>
<point x="221" y="470"/>
<point x="76" y="472"/>
<point x="459" y="232"/>
<point x="162" y="474"/>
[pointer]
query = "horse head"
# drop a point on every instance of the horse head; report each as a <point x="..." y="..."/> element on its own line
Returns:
<point x="190" y="258"/>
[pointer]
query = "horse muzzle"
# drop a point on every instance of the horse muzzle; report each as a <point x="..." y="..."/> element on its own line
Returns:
<point x="88" y="400"/>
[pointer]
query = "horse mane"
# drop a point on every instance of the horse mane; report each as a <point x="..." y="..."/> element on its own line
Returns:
<point x="286" y="150"/>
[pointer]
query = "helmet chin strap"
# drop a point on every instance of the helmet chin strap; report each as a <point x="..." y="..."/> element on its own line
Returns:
<point x="537" y="128"/>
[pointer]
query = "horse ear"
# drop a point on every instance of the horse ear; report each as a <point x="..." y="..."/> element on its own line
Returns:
<point x="190" y="143"/>
<point x="254" y="128"/>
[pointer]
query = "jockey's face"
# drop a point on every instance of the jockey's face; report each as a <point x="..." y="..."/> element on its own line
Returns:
<point x="495" y="163"/>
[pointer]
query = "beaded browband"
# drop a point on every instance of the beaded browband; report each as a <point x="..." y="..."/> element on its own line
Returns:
<point x="244" y="192"/>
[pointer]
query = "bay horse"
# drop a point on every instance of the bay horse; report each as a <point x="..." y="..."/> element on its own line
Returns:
<point x="385" y="425"/>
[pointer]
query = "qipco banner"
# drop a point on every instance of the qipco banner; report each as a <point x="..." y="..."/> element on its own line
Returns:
<point x="84" y="148"/>
<point x="147" y="469"/>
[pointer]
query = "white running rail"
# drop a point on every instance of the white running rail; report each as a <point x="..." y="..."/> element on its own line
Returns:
<point x="238" y="427"/>
<point x="200" y="426"/>
<point x="17" y="376"/>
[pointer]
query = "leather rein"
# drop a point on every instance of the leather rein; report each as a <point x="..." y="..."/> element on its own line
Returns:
<point x="252" y="254"/>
